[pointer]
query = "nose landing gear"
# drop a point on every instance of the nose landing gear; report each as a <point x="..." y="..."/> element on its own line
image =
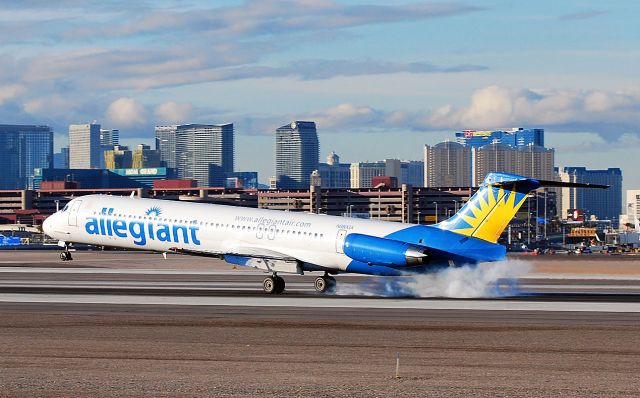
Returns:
<point x="66" y="254"/>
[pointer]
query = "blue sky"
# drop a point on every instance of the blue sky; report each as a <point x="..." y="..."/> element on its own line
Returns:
<point x="380" y="78"/>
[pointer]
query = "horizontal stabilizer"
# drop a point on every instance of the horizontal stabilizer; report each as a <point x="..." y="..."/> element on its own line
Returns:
<point x="545" y="183"/>
<point x="524" y="184"/>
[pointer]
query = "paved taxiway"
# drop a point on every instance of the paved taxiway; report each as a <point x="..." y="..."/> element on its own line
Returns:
<point x="132" y="324"/>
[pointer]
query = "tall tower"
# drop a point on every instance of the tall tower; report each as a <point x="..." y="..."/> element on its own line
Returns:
<point x="297" y="154"/>
<point x="204" y="152"/>
<point x="109" y="137"/>
<point x="84" y="146"/>
<point x="447" y="164"/>
<point x="166" y="144"/>
<point x="334" y="174"/>
<point x="22" y="149"/>
<point x="605" y="204"/>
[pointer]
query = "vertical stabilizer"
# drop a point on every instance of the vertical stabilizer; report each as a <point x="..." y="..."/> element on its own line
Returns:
<point x="490" y="210"/>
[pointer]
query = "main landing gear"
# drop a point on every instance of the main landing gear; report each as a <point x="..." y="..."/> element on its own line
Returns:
<point x="273" y="284"/>
<point x="66" y="254"/>
<point x="325" y="284"/>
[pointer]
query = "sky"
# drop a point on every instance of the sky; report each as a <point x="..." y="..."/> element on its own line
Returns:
<point x="379" y="78"/>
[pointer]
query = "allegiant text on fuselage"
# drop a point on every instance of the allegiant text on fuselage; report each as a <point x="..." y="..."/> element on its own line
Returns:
<point x="142" y="231"/>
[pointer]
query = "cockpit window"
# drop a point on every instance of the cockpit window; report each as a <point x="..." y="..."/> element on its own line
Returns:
<point x="65" y="208"/>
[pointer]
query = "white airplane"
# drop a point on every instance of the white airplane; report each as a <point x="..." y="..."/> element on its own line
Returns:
<point x="290" y="242"/>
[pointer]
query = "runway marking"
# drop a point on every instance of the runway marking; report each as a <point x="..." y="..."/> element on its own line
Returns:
<point x="581" y="277"/>
<point x="44" y="270"/>
<point x="249" y="271"/>
<point x="324" y="302"/>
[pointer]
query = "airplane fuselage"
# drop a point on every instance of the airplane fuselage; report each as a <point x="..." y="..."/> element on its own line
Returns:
<point x="285" y="241"/>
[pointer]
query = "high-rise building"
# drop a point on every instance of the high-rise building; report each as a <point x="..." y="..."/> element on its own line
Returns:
<point x="530" y="161"/>
<point x="297" y="154"/>
<point x="363" y="172"/>
<point x="242" y="179"/>
<point x="145" y="157"/>
<point x="166" y="144"/>
<point x="536" y="162"/>
<point x="447" y="164"/>
<point x="84" y="146"/>
<point x="631" y="211"/>
<point x="61" y="159"/>
<point x="515" y="137"/>
<point x="605" y="204"/>
<point x="201" y="152"/>
<point x="109" y="137"/>
<point x="120" y="157"/>
<point x="23" y="148"/>
<point x="204" y="153"/>
<point x="403" y="171"/>
<point x="334" y="174"/>
<point x="412" y="173"/>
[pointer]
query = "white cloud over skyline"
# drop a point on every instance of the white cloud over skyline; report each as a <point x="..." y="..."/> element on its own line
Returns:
<point x="342" y="63"/>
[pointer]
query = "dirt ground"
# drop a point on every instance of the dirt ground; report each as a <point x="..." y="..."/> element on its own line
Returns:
<point x="54" y="353"/>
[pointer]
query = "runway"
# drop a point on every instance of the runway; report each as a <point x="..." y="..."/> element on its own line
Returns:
<point x="131" y="324"/>
<point x="242" y="288"/>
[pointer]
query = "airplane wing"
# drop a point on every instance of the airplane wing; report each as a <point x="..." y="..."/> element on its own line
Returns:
<point x="243" y="251"/>
<point x="250" y="256"/>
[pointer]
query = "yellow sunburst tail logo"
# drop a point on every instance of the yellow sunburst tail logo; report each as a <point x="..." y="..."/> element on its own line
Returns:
<point x="491" y="209"/>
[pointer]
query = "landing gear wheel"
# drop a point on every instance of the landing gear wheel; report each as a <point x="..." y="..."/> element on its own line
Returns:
<point x="269" y="285"/>
<point x="66" y="256"/>
<point x="279" y="285"/>
<point x="324" y="284"/>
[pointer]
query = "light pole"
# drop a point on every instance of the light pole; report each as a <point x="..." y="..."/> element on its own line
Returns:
<point x="455" y="205"/>
<point x="436" y="203"/>
<point x="528" y="220"/>
<point x="545" y="214"/>
<point x="57" y="202"/>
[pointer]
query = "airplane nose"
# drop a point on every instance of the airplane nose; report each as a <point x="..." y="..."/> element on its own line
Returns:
<point x="46" y="225"/>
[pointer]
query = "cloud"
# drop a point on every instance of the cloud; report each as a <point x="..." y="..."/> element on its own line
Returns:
<point x="274" y="17"/>
<point x="72" y="61"/>
<point x="10" y="92"/>
<point x="609" y="114"/>
<point x="326" y="69"/>
<point x="172" y="112"/>
<point x="126" y="112"/>
<point x="576" y="16"/>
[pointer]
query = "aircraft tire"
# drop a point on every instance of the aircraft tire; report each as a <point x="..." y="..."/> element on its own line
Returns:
<point x="325" y="284"/>
<point x="280" y="285"/>
<point x="63" y="256"/>
<point x="269" y="285"/>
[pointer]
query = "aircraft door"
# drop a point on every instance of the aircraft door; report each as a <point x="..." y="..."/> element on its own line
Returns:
<point x="342" y="234"/>
<point x="73" y="213"/>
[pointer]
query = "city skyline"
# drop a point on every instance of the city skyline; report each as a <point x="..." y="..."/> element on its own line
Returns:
<point x="380" y="79"/>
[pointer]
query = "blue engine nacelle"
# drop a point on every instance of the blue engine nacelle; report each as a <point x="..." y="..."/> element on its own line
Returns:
<point x="381" y="251"/>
